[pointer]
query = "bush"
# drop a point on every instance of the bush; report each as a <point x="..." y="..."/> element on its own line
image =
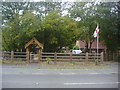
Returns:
<point x="48" y="60"/>
<point x="19" y="59"/>
<point x="75" y="47"/>
<point x="97" y="62"/>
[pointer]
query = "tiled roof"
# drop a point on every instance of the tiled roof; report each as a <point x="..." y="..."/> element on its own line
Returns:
<point x="81" y="44"/>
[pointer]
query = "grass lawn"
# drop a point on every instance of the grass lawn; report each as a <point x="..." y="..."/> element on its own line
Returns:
<point x="57" y="64"/>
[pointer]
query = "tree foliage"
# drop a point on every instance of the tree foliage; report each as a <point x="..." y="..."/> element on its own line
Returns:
<point x="54" y="31"/>
<point x="90" y="15"/>
<point x="20" y="30"/>
<point x="59" y="31"/>
<point x="44" y="20"/>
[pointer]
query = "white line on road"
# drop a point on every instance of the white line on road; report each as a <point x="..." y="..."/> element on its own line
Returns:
<point x="90" y="83"/>
<point x="77" y="83"/>
<point x="77" y="73"/>
<point x="83" y="73"/>
<point x="38" y="73"/>
<point x="67" y="73"/>
<point x="114" y="72"/>
<point x="94" y="73"/>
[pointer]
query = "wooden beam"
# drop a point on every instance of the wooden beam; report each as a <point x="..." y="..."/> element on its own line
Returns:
<point x="55" y="57"/>
<point x="102" y="56"/>
<point x="34" y="40"/>
<point x="39" y="55"/>
<point x="86" y="57"/>
<point x="71" y="57"/>
<point x="12" y="55"/>
<point x="30" y="42"/>
<point x="27" y="55"/>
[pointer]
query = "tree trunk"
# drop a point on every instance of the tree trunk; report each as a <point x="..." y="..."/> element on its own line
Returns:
<point x="91" y="46"/>
<point x="86" y="47"/>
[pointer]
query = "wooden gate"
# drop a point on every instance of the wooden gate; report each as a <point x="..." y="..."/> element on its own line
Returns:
<point x="34" y="58"/>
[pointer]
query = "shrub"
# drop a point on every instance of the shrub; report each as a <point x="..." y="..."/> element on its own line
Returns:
<point x="75" y="47"/>
<point x="48" y="60"/>
<point x="19" y="59"/>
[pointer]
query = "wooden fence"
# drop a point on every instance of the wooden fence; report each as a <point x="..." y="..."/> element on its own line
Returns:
<point x="113" y="56"/>
<point x="56" y="57"/>
<point x="14" y="55"/>
<point x="69" y="57"/>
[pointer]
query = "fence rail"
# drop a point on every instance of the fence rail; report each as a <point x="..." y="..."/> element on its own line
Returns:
<point x="56" y="57"/>
<point x="14" y="55"/>
<point x="72" y="57"/>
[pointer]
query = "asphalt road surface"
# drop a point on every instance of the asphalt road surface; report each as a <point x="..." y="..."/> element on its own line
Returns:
<point x="26" y="77"/>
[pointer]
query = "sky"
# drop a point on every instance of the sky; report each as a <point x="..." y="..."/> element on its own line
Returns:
<point x="61" y="0"/>
<point x="77" y="0"/>
<point x="54" y="0"/>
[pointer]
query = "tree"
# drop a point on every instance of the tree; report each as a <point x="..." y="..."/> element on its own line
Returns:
<point x="54" y="31"/>
<point x="90" y="14"/>
<point x="87" y="24"/>
<point x="59" y="31"/>
<point x="10" y="8"/>
<point x="109" y="31"/>
<point x="118" y="23"/>
<point x="43" y="8"/>
<point x="20" y="30"/>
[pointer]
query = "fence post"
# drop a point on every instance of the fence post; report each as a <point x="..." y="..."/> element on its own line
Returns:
<point x="27" y="55"/>
<point x="71" y="56"/>
<point x="31" y="57"/>
<point x="40" y="56"/>
<point x="55" y="57"/>
<point x="86" y="57"/>
<point x="12" y="55"/>
<point x="102" y="56"/>
<point x="1" y="56"/>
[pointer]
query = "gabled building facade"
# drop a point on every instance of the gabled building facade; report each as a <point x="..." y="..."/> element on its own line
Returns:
<point x="101" y="47"/>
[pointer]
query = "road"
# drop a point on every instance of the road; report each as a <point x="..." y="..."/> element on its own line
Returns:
<point x="95" y="77"/>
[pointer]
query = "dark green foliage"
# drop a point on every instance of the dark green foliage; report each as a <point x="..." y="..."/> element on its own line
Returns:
<point x="48" y="60"/>
<point x="43" y="20"/>
<point x="75" y="47"/>
<point x="104" y="14"/>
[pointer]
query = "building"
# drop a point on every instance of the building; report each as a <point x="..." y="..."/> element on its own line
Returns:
<point x="101" y="47"/>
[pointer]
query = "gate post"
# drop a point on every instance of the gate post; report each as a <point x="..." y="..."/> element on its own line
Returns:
<point x="86" y="57"/>
<point x="12" y="55"/>
<point x="39" y="55"/>
<point x="27" y="55"/>
<point x="71" y="57"/>
<point x="102" y="56"/>
<point x="55" y="57"/>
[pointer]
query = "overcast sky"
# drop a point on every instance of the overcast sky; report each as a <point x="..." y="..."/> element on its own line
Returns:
<point x="62" y="0"/>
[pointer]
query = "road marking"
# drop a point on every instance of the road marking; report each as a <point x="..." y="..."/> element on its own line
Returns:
<point x="114" y="72"/>
<point x="103" y="73"/>
<point x="94" y="73"/>
<point x="77" y="83"/>
<point x="67" y="73"/>
<point x="37" y="83"/>
<point x="38" y="69"/>
<point x="38" y="73"/>
<point x="90" y="83"/>
<point x="83" y="73"/>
